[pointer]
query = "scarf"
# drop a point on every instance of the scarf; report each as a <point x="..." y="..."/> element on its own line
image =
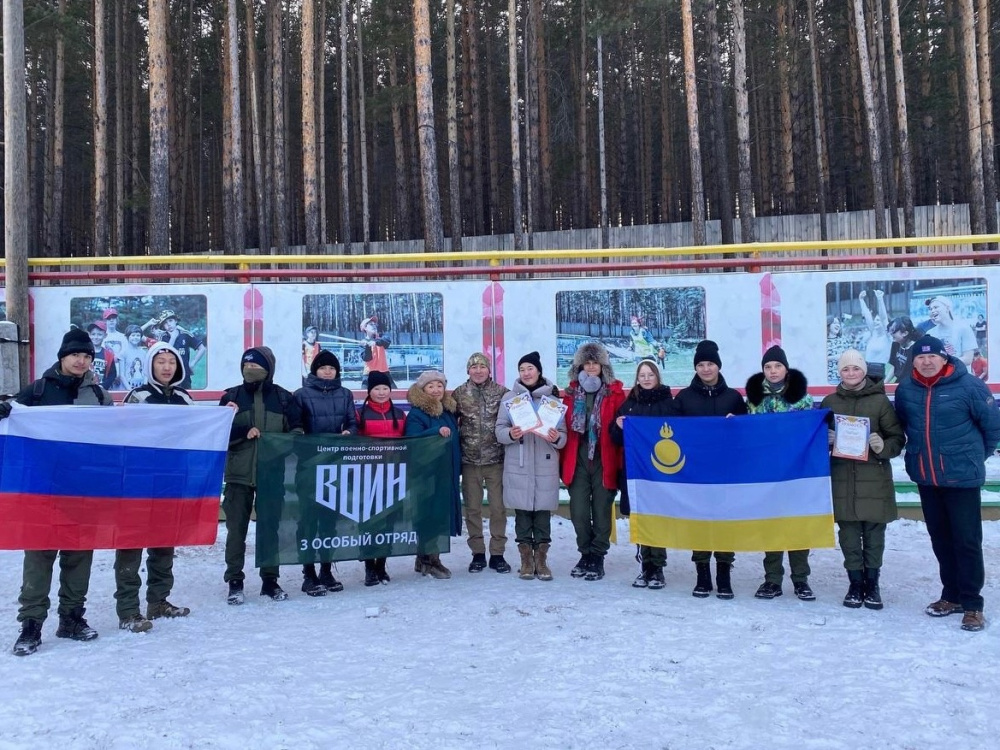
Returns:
<point x="582" y="421"/>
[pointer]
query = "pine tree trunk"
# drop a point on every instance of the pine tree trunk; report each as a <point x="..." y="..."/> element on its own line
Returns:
<point x="546" y="219"/>
<point x="100" y="115"/>
<point x="874" y="139"/>
<point x="720" y="143"/>
<point x="517" y="214"/>
<point x="278" y="130"/>
<point x="822" y="178"/>
<point x="473" y="116"/>
<point x="970" y="82"/>
<point x="532" y="26"/>
<point x="748" y="229"/>
<point x="902" y="125"/>
<point x="256" y="128"/>
<point x="363" y="146"/>
<point x="53" y="243"/>
<point x="454" y="180"/>
<point x="320" y="99"/>
<point x="345" y="133"/>
<point x="786" y="138"/>
<point x="601" y="146"/>
<point x="159" y="137"/>
<point x="403" y="225"/>
<point x="433" y="229"/>
<point x="986" y="115"/>
<point x="583" y="150"/>
<point x="881" y="90"/>
<point x="119" y="202"/>
<point x="310" y="177"/>
<point x="694" y="139"/>
<point x="495" y="213"/>
<point x="236" y="234"/>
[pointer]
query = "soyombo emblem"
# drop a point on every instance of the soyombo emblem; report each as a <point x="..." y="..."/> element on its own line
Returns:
<point x="667" y="456"/>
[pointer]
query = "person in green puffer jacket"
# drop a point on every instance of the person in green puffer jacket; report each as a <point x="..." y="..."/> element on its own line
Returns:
<point x="864" y="496"/>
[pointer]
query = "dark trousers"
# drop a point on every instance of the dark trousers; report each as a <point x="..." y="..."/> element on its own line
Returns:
<point x="159" y="578"/>
<point x="237" y="504"/>
<point x="798" y="561"/>
<point x="702" y="556"/>
<point x="36" y="581"/>
<point x="862" y="543"/>
<point x="533" y="527"/>
<point x="590" y="508"/>
<point x="955" y="524"/>
<point x="653" y="555"/>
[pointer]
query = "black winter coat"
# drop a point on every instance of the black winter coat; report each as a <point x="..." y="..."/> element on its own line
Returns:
<point x="700" y="400"/>
<point x="654" y="402"/>
<point x="327" y="407"/>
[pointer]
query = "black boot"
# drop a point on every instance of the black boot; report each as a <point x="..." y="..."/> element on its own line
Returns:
<point x="326" y="578"/>
<point x="478" y="564"/>
<point x="856" y="591"/>
<point x="581" y="568"/>
<point x="499" y="564"/>
<point x="310" y="583"/>
<point x="235" y="596"/>
<point x="596" y="570"/>
<point x="873" y="597"/>
<point x="269" y="587"/>
<point x="30" y="638"/>
<point x="703" y="586"/>
<point x="73" y="626"/>
<point x="383" y="577"/>
<point x="371" y="577"/>
<point x="723" y="584"/>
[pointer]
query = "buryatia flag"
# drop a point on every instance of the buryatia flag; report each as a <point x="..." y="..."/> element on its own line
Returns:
<point x="95" y="477"/>
<point x="747" y="483"/>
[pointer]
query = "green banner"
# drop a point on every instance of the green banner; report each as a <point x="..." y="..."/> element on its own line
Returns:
<point x="326" y="498"/>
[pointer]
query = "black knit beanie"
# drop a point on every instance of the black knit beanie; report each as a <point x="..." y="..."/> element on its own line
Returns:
<point x="75" y="342"/>
<point x="774" y="354"/>
<point x="707" y="351"/>
<point x="376" y="378"/>
<point x="532" y="358"/>
<point x="325" y="359"/>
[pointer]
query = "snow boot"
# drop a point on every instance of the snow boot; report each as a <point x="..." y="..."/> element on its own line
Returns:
<point x="803" y="592"/>
<point x="73" y="626"/>
<point x="310" y="582"/>
<point x="383" y="577"/>
<point x="371" y="576"/>
<point x="582" y="566"/>
<point x="498" y="564"/>
<point x="155" y="610"/>
<point x="30" y="638"/>
<point x="135" y="624"/>
<point x="596" y="570"/>
<point x="703" y="586"/>
<point x="269" y="587"/>
<point x="435" y="568"/>
<point x="873" y="597"/>
<point x="656" y="580"/>
<point x="856" y="590"/>
<point x="235" y="596"/>
<point x="542" y="572"/>
<point x="478" y="564"/>
<point x="768" y="590"/>
<point x="326" y="578"/>
<point x="642" y="580"/>
<point x="527" y="571"/>
<point x="723" y="584"/>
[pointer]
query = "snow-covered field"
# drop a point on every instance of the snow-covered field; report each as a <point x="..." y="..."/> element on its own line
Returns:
<point x="490" y="661"/>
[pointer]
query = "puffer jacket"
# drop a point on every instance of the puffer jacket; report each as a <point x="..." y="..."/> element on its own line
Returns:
<point x="56" y="389"/>
<point x="327" y="407"/>
<point x="280" y="414"/>
<point x="477" y="419"/>
<point x="425" y="419"/>
<point x="700" y="400"/>
<point x="952" y="426"/>
<point x="652" y="402"/>
<point x="531" y="464"/>
<point x="864" y="490"/>
<point x="794" y="396"/>
<point x="153" y="392"/>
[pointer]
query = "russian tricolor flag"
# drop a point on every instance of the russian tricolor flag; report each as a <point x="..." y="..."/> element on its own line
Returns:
<point x="746" y="483"/>
<point x="93" y="477"/>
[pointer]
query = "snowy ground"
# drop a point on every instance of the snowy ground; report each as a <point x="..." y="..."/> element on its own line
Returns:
<point x="490" y="661"/>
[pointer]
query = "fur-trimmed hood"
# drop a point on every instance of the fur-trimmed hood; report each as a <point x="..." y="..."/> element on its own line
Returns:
<point x="795" y="387"/>
<point x="592" y="351"/>
<point x="431" y="406"/>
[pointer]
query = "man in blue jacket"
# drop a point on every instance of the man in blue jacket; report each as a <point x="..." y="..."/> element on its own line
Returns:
<point x="952" y="426"/>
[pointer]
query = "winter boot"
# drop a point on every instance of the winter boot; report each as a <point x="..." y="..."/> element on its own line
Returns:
<point x="656" y="580"/>
<point x="436" y="569"/>
<point x="768" y="590"/>
<point x="269" y="587"/>
<point x="542" y="572"/>
<point x="73" y="626"/>
<point x="581" y="568"/>
<point x="155" y="610"/>
<point x="703" y="586"/>
<point x="803" y="592"/>
<point x="498" y="564"/>
<point x="856" y="591"/>
<point x="873" y="597"/>
<point x="30" y="638"/>
<point x="310" y="582"/>
<point x="642" y="580"/>
<point x="371" y="577"/>
<point x="596" y="570"/>
<point x="723" y="584"/>
<point x="235" y="596"/>
<point x="326" y="578"/>
<point x="383" y="577"/>
<point x="135" y="624"/>
<point x="478" y="564"/>
<point x="527" y="571"/>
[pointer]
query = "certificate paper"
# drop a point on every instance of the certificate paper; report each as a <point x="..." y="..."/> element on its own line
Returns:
<point x="522" y="412"/>
<point x="851" y="439"/>
<point x="550" y="413"/>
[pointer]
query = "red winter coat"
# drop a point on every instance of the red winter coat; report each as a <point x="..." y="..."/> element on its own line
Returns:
<point x="378" y="420"/>
<point x="611" y="454"/>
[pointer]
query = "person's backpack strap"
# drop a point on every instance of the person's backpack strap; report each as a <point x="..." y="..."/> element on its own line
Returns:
<point x="36" y="392"/>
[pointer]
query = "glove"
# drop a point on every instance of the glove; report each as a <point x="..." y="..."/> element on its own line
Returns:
<point x="831" y="436"/>
<point x="5" y="409"/>
<point x="876" y="443"/>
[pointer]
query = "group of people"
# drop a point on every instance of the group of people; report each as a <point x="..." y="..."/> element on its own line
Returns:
<point x="120" y="357"/>
<point x="943" y="415"/>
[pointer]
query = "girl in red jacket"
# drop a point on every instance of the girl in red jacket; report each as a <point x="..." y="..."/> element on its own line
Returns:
<point x="378" y="417"/>
<point x="591" y="461"/>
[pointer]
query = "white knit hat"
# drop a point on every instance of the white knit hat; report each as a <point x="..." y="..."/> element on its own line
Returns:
<point x="852" y="357"/>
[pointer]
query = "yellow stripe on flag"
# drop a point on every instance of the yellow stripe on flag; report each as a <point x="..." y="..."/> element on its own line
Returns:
<point x="795" y="532"/>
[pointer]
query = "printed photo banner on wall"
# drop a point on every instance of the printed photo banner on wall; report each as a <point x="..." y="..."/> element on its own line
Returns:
<point x="327" y="498"/>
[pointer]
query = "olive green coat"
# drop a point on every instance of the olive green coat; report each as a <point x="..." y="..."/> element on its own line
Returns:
<point x="864" y="490"/>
